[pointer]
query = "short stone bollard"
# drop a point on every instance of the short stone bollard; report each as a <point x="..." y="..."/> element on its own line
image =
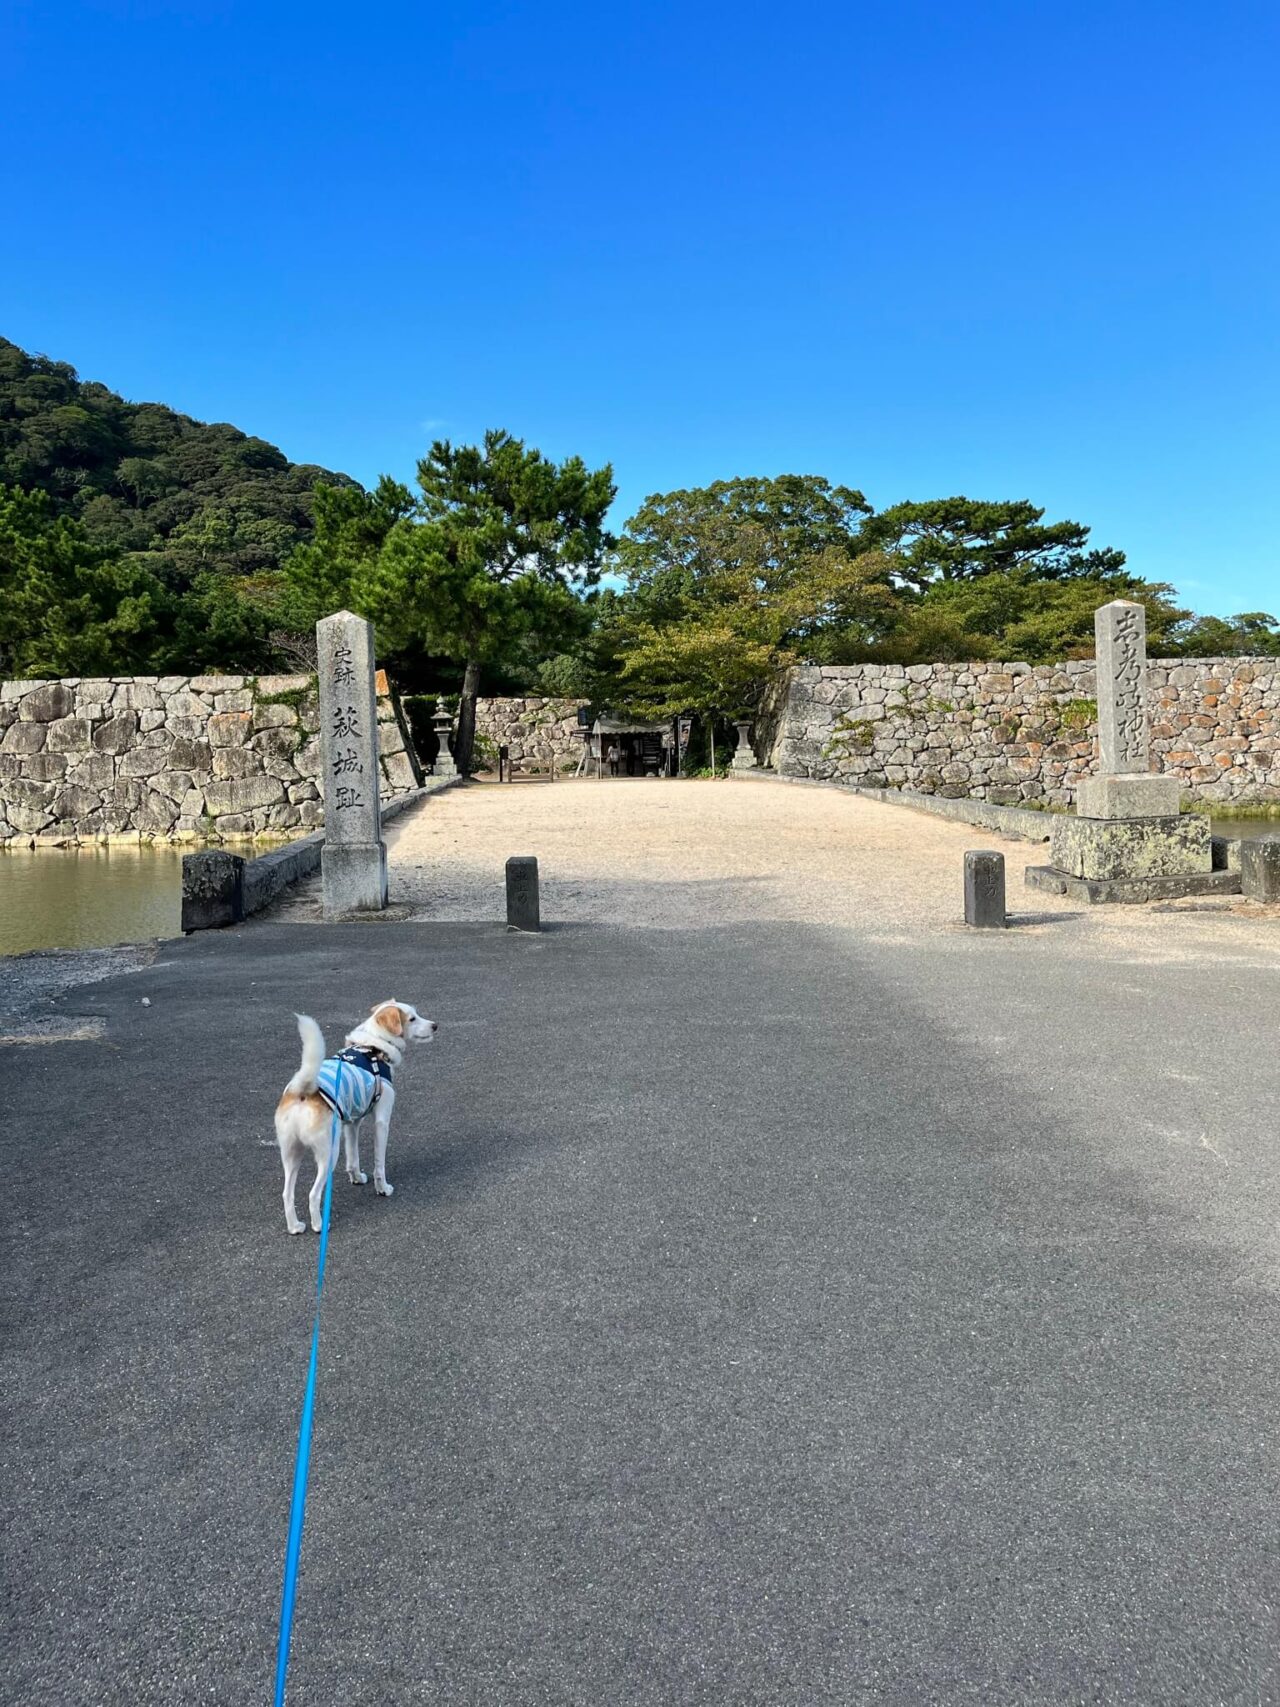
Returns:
<point x="522" y="894"/>
<point x="1260" y="869"/>
<point x="212" y="890"/>
<point x="984" y="890"/>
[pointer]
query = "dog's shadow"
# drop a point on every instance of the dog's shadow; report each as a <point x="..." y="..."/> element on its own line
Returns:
<point x="447" y="1172"/>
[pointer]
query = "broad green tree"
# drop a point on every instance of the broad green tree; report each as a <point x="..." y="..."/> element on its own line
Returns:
<point x="499" y="540"/>
<point x="960" y="539"/>
<point x="1252" y="634"/>
<point x="67" y="606"/>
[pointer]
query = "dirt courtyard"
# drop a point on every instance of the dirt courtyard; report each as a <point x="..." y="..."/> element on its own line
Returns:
<point x="660" y="854"/>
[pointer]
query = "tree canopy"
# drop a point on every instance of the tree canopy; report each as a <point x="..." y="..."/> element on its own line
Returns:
<point x="181" y="497"/>
<point x="133" y="538"/>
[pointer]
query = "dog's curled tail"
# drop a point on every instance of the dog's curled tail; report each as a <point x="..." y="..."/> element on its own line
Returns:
<point x="303" y="1082"/>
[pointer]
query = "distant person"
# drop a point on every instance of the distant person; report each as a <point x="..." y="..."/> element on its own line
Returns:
<point x="613" y="756"/>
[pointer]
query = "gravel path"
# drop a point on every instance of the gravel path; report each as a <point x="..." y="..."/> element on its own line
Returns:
<point x="675" y="855"/>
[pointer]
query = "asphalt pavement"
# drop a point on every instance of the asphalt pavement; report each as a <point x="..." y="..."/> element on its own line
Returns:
<point x="766" y="1315"/>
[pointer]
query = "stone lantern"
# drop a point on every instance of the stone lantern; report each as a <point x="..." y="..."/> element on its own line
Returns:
<point x="442" y="723"/>
<point x="744" y="758"/>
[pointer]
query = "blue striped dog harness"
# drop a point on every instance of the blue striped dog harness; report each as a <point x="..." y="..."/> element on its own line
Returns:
<point x="351" y="1082"/>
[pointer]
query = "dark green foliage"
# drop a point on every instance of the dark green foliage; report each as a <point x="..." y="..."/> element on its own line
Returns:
<point x="1253" y="634"/>
<point x="181" y="496"/>
<point x="484" y="567"/>
<point x="958" y="539"/>
<point x="67" y="606"/>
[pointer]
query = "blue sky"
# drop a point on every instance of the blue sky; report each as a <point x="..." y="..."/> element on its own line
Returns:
<point x="1009" y="250"/>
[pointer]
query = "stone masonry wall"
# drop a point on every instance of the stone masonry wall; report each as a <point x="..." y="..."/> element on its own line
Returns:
<point x="540" y="732"/>
<point x="180" y="758"/>
<point x="1013" y="732"/>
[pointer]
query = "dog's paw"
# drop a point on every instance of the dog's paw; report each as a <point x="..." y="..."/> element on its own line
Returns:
<point x="355" y="1178"/>
<point x="300" y="1227"/>
<point x="384" y="1188"/>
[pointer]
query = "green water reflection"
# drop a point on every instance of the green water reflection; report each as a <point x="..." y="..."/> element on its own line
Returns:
<point x="89" y="897"/>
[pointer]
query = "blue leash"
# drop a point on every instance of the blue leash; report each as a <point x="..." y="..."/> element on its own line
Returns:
<point x="302" y="1462"/>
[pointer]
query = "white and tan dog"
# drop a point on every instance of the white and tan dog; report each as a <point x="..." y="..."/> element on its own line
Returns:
<point x="351" y="1084"/>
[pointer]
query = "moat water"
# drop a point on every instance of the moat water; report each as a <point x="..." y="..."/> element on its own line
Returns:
<point x="90" y="897"/>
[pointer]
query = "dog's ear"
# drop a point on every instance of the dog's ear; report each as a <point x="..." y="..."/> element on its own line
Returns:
<point x="390" y="1019"/>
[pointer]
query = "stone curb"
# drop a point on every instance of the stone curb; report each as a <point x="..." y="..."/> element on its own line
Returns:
<point x="1016" y="821"/>
<point x="263" y="879"/>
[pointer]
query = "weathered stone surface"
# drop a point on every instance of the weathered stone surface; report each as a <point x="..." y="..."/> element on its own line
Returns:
<point x="269" y="686"/>
<point x="243" y="794"/>
<point x="230" y="728"/>
<point x="117" y="734"/>
<point x="1115" y="796"/>
<point x="21" y="738"/>
<point x="216" y="684"/>
<point x="1120" y="646"/>
<point x="354" y="862"/>
<point x="212" y="890"/>
<point x="190" y="755"/>
<point x="1130" y="848"/>
<point x="46" y="703"/>
<point x="142" y="761"/>
<point x="69" y="735"/>
<point x="235" y="761"/>
<point x="523" y="906"/>
<point x="984" y="901"/>
<point x="1260" y="869"/>
<point x="274" y="717"/>
<point x="398" y="772"/>
<point x="1131" y="890"/>
<point x="939" y="717"/>
<point x="74" y="804"/>
<point x="45" y="767"/>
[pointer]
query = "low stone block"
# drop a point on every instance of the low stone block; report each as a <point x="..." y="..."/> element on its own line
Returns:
<point x="70" y="735"/>
<point x="243" y="794"/>
<point x="1131" y="890"/>
<point x="1129" y="796"/>
<point x="268" y="686"/>
<point x="1131" y="847"/>
<point x="1260" y="869"/>
<point x="523" y="910"/>
<point x="23" y="739"/>
<point x="216" y="684"/>
<point x="48" y="702"/>
<point x="229" y="728"/>
<point x="984" y="895"/>
<point x="398" y="772"/>
<point x="117" y="734"/>
<point x="212" y="890"/>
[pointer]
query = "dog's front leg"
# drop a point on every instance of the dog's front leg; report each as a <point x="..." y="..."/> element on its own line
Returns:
<point x="351" y="1143"/>
<point x="381" y="1127"/>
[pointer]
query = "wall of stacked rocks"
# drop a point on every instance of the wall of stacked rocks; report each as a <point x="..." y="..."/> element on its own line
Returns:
<point x="542" y="733"/>
<point x="1014" y="733"/>
<point x="179" y="758"/>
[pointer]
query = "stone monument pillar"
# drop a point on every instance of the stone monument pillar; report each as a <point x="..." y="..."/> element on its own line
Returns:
<point x="353" y="862"/>
<point x="1127" y="840"/>
<point x="1125" y="786"/>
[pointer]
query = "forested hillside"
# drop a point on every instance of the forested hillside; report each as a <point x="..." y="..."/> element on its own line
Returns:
<point x="184" y="496"/>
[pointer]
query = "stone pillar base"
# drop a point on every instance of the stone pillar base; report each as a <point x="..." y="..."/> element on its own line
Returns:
<point x="1131" y="890"/>
<point x="354" y="878"/>
<point x="1131" y="795"/>
<point x="1120" y="848"/>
